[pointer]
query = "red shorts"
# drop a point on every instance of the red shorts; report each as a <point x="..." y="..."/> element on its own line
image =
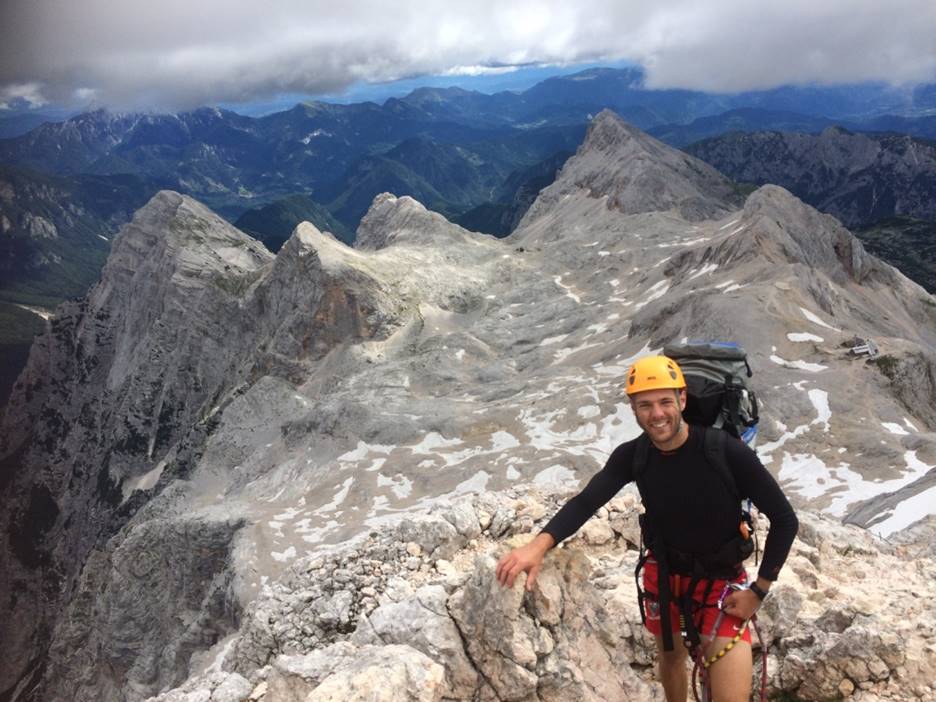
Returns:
<point x="729" y="625"/>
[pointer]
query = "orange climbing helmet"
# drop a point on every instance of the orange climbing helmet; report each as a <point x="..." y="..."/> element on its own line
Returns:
<point x="654" y="373"/>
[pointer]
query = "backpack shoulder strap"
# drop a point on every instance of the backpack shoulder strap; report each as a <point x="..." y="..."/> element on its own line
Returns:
<point x="713" y="445"/>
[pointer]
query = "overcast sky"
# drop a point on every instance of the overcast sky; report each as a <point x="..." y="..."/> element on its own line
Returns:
<point x="177" y="54"/>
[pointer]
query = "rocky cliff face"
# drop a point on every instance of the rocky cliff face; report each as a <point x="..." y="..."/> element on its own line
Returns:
<point x="109" y="394"/>
<point x="232" y="462"/>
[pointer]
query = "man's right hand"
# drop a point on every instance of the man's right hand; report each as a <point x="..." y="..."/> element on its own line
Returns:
<point x="527" y="558"/>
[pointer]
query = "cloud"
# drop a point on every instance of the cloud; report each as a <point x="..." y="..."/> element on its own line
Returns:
<point x="28" y="94"/>
<point x="177" y="54"/>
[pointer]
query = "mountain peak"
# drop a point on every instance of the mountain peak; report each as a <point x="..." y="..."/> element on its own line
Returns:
<point x="836" y="130"/>
<point x="176" y="235"/>
<point x="637" y="174"/>
<point x="392" y="219"/>
<point x="172" y="215"/>
<point x="810" y="237"/>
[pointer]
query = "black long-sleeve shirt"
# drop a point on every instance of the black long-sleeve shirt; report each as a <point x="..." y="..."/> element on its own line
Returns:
<point x="695" y="511"/>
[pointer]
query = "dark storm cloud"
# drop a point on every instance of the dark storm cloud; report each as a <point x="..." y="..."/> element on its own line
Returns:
<point x="176" y="54"/>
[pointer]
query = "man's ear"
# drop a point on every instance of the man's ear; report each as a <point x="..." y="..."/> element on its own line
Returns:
<point x="683" y="398"/>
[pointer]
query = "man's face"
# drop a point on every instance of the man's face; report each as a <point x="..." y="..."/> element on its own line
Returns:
<point x="659" y="413"/>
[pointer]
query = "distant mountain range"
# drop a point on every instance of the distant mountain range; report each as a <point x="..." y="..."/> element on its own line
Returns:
<point x="478" y="159"/>
<point x="858" y="178"/>
<point x="751" y="119"/>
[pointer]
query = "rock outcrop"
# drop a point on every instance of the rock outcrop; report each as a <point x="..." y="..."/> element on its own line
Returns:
<point x="434" y="628"/>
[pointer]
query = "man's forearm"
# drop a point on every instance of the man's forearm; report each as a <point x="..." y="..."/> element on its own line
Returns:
<point x="763" y="583"/>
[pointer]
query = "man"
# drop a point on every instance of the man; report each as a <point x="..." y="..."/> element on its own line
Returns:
<point x="691" y="517"/>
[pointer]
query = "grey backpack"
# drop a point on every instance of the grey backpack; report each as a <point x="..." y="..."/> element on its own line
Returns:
<point x="717" y="387"/>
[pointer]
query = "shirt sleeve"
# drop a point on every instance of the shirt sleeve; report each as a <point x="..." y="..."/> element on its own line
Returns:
<point x="756" y="482"/>
<point x="604" y="485"/>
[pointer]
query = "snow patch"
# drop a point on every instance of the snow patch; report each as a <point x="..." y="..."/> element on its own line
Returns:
<point x="805" y="474"/>
<point x="434" y="440"/>
<point x="401" y="486"/>
<point x="362" y="450"/>
<point x="815" y="320"/>
<point x="555" y="476"/>
<point x="804" y="336"/>
<point x="706" y="269"/>
<point x="654" y="293"/>
<point x="798" y="365"/>
<point x="563" y="354"/>
<point x="811" y="478"/>
<point x="376" y="464"/>
<point x="503" y="440"/>
<point x="568" y="289"/>
<point x="820" y="401"/>
<point x="284" y="556"/>
<point x="338" y="499"/>
<point x="287" y="516"/>
<point x="906" y="513"/>
<point x="312" y="135"/>
<point x="477" y="483"/>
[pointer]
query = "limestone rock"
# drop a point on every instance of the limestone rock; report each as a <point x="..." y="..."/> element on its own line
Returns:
<point x="422" y="621"/>
<point x="557" y="644"/>
<point x="597" y="532"/>
<point x="344" y="673"/>
<point x="215" y="687"/>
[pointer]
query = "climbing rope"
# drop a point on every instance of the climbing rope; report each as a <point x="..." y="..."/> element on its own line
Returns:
<point x="730" y="645"/>
<point x="701" y="682"/>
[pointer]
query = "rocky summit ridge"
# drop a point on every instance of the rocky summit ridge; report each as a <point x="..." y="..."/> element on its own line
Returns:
<point x="265" y="477"/>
